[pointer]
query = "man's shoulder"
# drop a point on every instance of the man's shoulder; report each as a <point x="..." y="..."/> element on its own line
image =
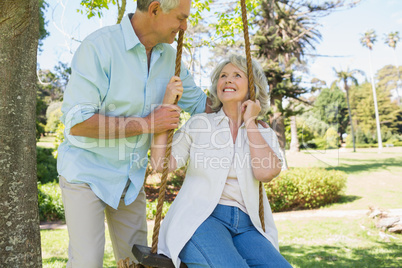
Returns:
<point x="105" y="33"/>
<point x="202" y="120"/>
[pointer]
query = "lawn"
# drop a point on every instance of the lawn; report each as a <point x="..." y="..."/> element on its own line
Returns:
<point x="311" y="241"/>
<point x="47" y="141"/>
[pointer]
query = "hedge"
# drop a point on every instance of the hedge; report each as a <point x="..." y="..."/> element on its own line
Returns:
<point x="305" y="188"/>
<point x="50" y="202"/>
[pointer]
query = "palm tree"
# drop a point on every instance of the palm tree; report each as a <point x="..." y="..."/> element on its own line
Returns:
<point x="345" y="77"/>
<point x="391" y="40"/>
<point x="286" y="32"/>
<point x="367" y="40"/>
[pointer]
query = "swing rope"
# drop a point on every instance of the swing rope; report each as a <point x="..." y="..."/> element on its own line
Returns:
<point x="162" y="189"/>
<point x="252" y="93"/>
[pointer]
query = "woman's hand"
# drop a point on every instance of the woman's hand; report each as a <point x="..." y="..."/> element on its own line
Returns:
<point x="250" y="110"/>
<point x="174" y="90"/>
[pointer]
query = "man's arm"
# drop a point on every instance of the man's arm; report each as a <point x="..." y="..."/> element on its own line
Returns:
<point x="208" y="104"/>
<point x="98" y="126"/>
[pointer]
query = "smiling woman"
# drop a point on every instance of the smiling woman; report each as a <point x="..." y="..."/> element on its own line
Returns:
<point x="223" y="193"/>
<point x="239" y="63"/>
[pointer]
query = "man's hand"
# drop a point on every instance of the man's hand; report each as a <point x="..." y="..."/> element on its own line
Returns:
<point x="163" y="118"/>
<point x="173" y="90"/>
<point x="263" y="123"/>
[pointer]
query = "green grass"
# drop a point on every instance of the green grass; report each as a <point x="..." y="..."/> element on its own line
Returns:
<point x="373" y="179"/>
<point x="329" y="242"/>
<point x="55" y="249"/>
<point x="47" y="141"/>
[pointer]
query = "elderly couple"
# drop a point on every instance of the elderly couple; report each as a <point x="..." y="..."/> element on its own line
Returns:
<point x="119" y="103"/>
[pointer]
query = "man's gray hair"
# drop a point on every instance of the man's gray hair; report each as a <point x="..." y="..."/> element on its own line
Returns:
<point x="166" y="5"/>
<point x="260" y="82"/>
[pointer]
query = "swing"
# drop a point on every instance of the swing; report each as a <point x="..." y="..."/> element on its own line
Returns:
<point x="146" y="256"/>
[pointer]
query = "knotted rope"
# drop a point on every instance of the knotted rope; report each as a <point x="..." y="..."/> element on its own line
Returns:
<point x="252" y="91"/>
<point x="162" y="189"/>
<point x="165" y="172"/>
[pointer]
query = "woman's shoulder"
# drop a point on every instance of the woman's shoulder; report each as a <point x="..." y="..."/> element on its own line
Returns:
<point x="201" y="120"/>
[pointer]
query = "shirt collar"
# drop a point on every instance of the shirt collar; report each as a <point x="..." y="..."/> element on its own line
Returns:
<point x="130" y="38"/>
<point x="221" y="116"/>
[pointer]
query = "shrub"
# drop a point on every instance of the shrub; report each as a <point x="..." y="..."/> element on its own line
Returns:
<point x="53" y="120"/>
<point x="151" y="209"/>
<point x="332" y="138"/>
<point x="50" y="202"/>
<point x="359" y="145"/>
<point x="46" y="165"/>
<point x="305" y="188"/>
<point x="59" y="137"/>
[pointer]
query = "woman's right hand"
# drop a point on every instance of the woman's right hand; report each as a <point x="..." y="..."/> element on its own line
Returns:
<point x="174" y="90"/>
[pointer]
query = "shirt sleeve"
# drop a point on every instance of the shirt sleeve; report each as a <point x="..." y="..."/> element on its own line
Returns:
<point x="272" y="140"/>
<point x="181" y="145"/>
<point x="193" y="99"/>
<point x="87" y="87"/>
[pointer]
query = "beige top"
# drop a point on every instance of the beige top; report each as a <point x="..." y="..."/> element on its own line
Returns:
<point x="231" y="195"/>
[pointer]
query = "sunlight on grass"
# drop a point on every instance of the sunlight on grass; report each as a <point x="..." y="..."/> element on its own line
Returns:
<point x="333" y="242"/>
<point x="351" y="241"/>
<point x="46" y="141"/>
<point x="55" y="249"/>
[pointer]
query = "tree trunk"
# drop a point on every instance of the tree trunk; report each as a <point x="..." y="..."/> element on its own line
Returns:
<point x="294" y="141"/>
<point x="19" y="219"/>
<point x="278" y="125"/>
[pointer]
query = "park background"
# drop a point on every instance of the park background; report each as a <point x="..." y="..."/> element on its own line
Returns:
<point x="325" y="222"/>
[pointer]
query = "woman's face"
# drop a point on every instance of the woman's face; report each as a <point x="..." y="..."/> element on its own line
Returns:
<point x="232" y="85"/>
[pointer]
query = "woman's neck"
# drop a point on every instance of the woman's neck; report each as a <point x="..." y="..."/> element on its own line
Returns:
<point x="233" y="112"/>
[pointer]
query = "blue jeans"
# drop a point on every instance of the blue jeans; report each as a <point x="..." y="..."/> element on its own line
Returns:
<point x="227" y="238"/>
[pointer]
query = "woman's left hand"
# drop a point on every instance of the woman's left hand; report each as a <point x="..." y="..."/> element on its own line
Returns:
<point x="250" y="110"/>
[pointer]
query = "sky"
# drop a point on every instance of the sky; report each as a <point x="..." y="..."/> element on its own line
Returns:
<point x="339" y="48"/>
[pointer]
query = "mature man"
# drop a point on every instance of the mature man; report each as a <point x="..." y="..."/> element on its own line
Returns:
<point x="120" y="75"/>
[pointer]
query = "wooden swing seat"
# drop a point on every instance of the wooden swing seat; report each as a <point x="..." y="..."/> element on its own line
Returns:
<point x="144" y="255"/>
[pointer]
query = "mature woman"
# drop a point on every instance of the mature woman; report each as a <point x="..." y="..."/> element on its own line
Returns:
<point x="214" y="221"/>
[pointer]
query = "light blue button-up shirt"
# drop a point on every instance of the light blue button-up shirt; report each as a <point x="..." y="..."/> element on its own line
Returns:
<point x="110" y="76"/>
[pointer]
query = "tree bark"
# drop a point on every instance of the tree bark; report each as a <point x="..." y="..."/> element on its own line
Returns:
<point x="294" y="141"/>
<point x="120" y="10"/>
<point x="19" y="220"/>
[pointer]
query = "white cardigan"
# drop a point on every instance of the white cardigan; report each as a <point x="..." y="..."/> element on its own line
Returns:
<point x="207" y="142"/>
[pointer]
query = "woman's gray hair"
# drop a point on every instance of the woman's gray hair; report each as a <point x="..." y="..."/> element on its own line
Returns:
<point x="166" y="5"/>
<point x="260" y="82"/>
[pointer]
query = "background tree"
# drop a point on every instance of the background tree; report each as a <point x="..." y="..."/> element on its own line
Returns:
<point x="344" y="77"/>
<point x="362" y="105"/>
<point x="95" y="7"/>
<point x="19" y="220"/>
<point x="287" y="30"/>
<point x="368" y="40"/>
<point x="391" y="40"/>
<point x="331" y="108"/>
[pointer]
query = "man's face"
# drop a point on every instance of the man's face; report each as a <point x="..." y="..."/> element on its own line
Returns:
<point x="169" y="24"/>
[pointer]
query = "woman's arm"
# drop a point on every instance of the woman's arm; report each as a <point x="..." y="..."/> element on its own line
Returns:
<point x="158" y="150"/>
<point x="264" y="162"/>
<point x="174" y="91"/>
